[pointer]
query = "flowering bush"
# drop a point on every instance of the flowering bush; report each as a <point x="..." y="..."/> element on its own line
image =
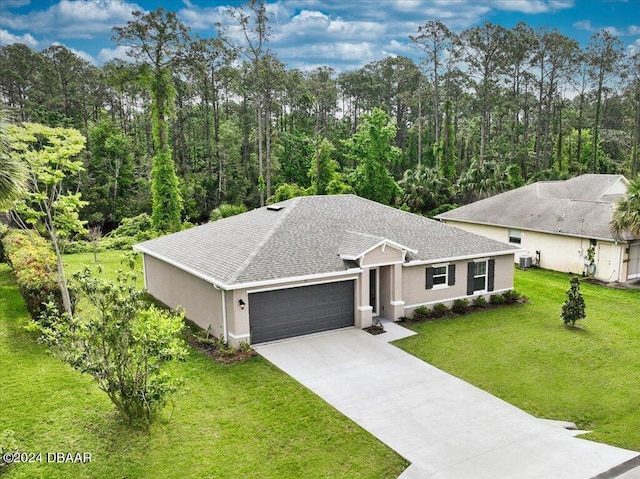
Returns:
<point x="34" y="266"/>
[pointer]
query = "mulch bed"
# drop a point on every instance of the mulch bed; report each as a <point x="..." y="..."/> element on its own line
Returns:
<point x="216" y="355"/>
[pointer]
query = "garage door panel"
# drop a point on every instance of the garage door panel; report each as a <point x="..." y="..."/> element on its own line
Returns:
<point x="296" y="311"/>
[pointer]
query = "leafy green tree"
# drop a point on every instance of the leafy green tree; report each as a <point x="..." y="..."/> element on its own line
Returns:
<point x="437" y="41"/>
<point x="158" y="41"/>
<point x="574" y="306"/>
<point x="372" y="148"/>
<point x="447" y="163"/>
<point x="110" y="174"/>
<point x="13" y="173"/>
<point x="288" y="190"/>
<point x="325" y="168"/>
<point x="604" y="54"/>
<point x="626" y="217"/>
<point x="123" y="343"/>
<point x="51" y="158"/>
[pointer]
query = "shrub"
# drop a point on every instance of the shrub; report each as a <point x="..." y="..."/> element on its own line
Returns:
<point x="421" y="313"/>
<point x="439" y="310"/>
<point x="480" y="302"/>
<point x="225" y="210"/>
<point x="497" y="299"/>
<point x="123" y="344"/>
<point x="4" y="229"/>
<point x="130" y="227"/>
<point x="34" y="266"/>
<point x="511" y="296"/>
<point x="460" y="306"/>
<point x="574" y="307"/>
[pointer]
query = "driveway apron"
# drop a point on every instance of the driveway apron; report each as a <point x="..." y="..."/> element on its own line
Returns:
<point x="446" y="428"/>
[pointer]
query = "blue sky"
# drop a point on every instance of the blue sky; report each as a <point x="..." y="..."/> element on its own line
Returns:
<point x="344" y="34"/>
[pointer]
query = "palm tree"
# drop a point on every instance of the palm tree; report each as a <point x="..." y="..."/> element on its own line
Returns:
<point x="626" y="217"/>
<point x="482" y="180"/>
<point x="424" y="189"/>
<point x="12" y="171"/>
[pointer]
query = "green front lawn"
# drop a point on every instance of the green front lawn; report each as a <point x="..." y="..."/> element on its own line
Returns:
<point x="239" y="420"/>
<point x="524" y="355"/>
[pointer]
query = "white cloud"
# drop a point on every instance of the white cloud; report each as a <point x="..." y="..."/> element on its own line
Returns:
<point x="7" y="38"/>
<point x="202" y="18"/>
<point x="79" y="53"/>
<point x="15" y="3"/>
<point x="586" y="25"/>
<point x="532" y="6"/>
<point x="117" y="53"/>
<point x="74" y="18"/>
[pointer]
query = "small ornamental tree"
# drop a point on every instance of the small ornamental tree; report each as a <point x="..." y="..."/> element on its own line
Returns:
<point x="574" y="307"/>
<point x="122" y="341"/>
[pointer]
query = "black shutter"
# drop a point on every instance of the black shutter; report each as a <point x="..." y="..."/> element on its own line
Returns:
<point x="470" y="273"/>
<point x="452" y="275"/>
<point x="491" y="273"/>
<point x="429" y="278"/>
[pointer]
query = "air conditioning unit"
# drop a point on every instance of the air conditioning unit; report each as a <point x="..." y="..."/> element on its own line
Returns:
<point x="525" y="262"/>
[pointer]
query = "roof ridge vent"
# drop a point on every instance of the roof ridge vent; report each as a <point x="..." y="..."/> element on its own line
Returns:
<point x="275" y="207"/>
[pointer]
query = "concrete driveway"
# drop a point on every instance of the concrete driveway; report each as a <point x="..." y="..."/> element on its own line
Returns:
<point x="444" y="426"/>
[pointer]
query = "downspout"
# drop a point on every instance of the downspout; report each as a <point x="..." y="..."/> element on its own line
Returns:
<point x="224" y="314"/>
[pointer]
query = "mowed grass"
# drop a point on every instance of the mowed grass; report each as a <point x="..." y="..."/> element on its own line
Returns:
<point x="524" y="355"/>
<point x="246" y="420"/>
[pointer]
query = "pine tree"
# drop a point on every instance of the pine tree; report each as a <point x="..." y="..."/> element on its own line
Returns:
<point x="574" y="307"/>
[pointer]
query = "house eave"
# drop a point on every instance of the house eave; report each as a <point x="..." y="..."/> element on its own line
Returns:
<point x="464" y="257"/>
<point x="383" y="243"/>
<point x="516" y="227"/>
<point x="248" y="284"/>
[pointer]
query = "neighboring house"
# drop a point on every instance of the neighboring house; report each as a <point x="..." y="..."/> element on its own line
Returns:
<point x="562" y="225"/>
<point x="317" y="263"/>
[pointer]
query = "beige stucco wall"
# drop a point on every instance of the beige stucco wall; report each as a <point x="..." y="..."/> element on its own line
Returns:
<point x="415" y="292"/>
<point x="174" y="287"/>
<point x="377" y="256"/>
<point x="559" y="252"/>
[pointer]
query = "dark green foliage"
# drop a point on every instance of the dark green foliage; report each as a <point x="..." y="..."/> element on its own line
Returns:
<point x="574" y="306"/>
<point x="110" y="174"/>
<point x="440" y="310"/>
<point x="512" y="296"/>
<point x="34" y="266"/>
<point x="167" y="202"/>
<point x="480" y="302"/>
<point x="425" y="189"/>
<point x="373" y="151"/>
<point x="421" y="313"/>
<point x="460" y="306"/>
<point x="497" y="299"/>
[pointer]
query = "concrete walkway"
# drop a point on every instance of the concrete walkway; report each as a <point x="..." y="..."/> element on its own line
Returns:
<point x="446" y="428"/>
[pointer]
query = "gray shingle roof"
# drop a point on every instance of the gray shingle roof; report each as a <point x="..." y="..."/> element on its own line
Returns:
<point x="306" y="237"/>
<point x="582" y="206"/>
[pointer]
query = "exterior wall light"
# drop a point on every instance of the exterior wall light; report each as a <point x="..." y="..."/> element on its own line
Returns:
<point x="241" y="303"/>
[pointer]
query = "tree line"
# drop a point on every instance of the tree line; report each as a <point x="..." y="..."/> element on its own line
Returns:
<point x="191" y="123"/>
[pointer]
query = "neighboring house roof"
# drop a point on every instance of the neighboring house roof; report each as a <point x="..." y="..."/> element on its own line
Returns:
<point x="582" y="206"/>
<point x="307" y="236"/>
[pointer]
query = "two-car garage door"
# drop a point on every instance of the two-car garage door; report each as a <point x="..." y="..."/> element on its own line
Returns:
<point x="285" y="313"/>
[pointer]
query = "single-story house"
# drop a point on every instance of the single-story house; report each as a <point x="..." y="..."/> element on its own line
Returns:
<point x="316" y="263"/>
<point x="560" y="225"/>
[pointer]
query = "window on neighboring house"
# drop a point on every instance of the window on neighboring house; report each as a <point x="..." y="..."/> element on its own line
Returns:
<point x="515" y="236"/>
<point x="480" y="275"/>
<point x="441" y="276"/>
